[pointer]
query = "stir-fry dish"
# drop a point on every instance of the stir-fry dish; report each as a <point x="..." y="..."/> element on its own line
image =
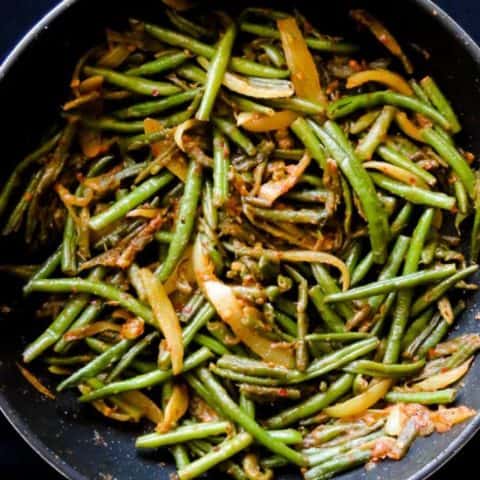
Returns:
<point x="253" y="236"/>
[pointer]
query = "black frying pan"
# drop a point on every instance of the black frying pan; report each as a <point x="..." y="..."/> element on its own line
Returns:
<point x="72" y="438"/>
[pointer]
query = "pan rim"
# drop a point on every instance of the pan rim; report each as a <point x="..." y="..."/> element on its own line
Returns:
<point x="56" y="462"/>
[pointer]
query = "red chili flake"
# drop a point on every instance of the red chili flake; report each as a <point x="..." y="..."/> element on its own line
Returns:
<point x="28" y="197"/>
<point x="282" y="392"/>
<point x="155" y="92"/>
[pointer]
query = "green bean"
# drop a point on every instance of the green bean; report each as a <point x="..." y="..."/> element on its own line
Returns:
<point x="164" y="237"/>
<point x="350" y="104"/>
<point x="216" y="72"/>
<point x="193" y="73"/>
<point x="246" y="105"/>
<point x="181" y="435"/>
<point x="306" y="135"/>
<point x="237" y="64"/>
<point x="404" y="299"/>
<point x="340" y="463"/>
<point x="310" y="196"/>
<point x="144" y="109"/>
<point x="434" y="293"/>
<point x="299" y="215"/>
<point x="185" y="221"/>
<point x="461" y="195"/>
<point x="138" y="85"/>
<point x="363" y="122"/>
<point x="225" y="450"/>
<point x="62" y="322"/>
<point x="144" y="140"/>
<point x="414" y="194"/>
<point x="339" y="147"/>
<point x="229" y="129"/>
<point x="415" y="328"/>
<point x="130" y="355"/>
<point x="97" y="365"/>
<point x="148" y="379"/>
<point x="79" y="285"/>
<point x="286" y="323"/>
<point x="66" y="361"/>
<point x="271" y="393"/>
<point x="376" y="369"/>
<point x="475" y="235"/>
<point x="14" y="221"/>
<point x="439" y="397"/>
<point x="369" y="143"/>
<point x="334" y="360"/>
<point x="297" y="104"/>
<point x="394" y="284"/>
<point x="184" y="25"/>
<point x="435" y="95"/>
<point x="234" y="412"/>
<point x="313" y="404"/>
<point x="243" y="378"/>
<point x="112" y="125"/>
<point x="419" y="92"/>
<point x="391" y="268"/>
<point x="328" y="315"/>
<point x="389" y="154"/>
<point x="319" y="44"/>
<point x="211" y="343"/>
<point x="449" y="153"/>
<point x="14" y="179"/>
<point x="329" y="285"/>
<point x="297" y="154"/>
<point x="317" y="456"/>
<point x="46" y="269"/>
<point x="120" y="208"/>
<point x="180" y="456"/>
<point x="337" y="337"/>
<point x="165" y="62"/>
<point x="221" y="159"/>
<point x="251" y="367"/>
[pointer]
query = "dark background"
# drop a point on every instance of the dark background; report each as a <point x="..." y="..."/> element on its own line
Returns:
<point x="17" y="461"/>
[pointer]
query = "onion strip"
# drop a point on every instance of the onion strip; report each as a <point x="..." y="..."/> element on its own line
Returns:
<point x="166" y="317"/>
<point x="360" y="403"/>
<point x="35" y="382"/>
<point x="176" y="408"/>
<point x="255" y="122"/>
<point x="386" y="77"/>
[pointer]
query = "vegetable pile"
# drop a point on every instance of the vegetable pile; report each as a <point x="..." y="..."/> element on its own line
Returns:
<point x="258" y="232"/>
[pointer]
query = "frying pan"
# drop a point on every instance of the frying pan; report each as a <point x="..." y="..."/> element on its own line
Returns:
<point x="71" y="437"/>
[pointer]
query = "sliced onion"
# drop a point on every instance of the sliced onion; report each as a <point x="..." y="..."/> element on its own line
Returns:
<point x="397" y="173"/>
<point x="445" y="418"/>
<point x="83" y="99"/>
<point x="386" y="77"/>
<point x="274" y="189"/>
<point x="300" y="256"/>
<point x="176" y="408"/>
<point x="72" y="200"/>
<point x="442" y="380"/>
<point x="115" y="56"/>
<point x="147" y="406"/>
<point x="360" y="403"/>
<point x="166" y="317"/>
<point x="233" y="310"/>
<point x="396" y="420"/>
<point x="181" y="129"/>
<point x="35" y="382"/>
<point x="256" y="122"/>
<point x="383" y="36"/>
<point x="91" y="330"/>
<point x="255" y="87"/>
<point x="102" y="407"/>
<point x="175" y="165"/>
<point x="303" y="71"/>
<point x="183" y="270"/>
<point x="408" y="127"/>
<point x="132" y="328"/>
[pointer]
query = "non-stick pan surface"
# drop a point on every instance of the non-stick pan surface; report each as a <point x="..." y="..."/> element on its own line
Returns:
<point x="72" y="438"/>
